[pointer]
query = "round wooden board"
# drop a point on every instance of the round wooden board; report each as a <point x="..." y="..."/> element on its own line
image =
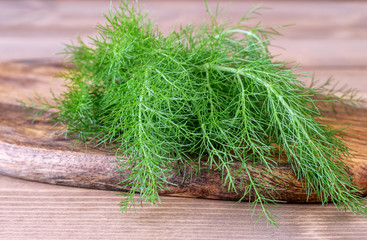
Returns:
<point x="34" y="151"/>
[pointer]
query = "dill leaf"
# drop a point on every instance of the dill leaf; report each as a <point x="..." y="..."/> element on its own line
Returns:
<point x="205" y="96"/>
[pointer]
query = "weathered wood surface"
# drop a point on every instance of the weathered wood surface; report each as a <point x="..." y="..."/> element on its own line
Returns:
<point x="33" y="151"/>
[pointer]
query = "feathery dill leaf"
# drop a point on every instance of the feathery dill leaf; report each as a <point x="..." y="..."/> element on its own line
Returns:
<point x="207" y="95"/>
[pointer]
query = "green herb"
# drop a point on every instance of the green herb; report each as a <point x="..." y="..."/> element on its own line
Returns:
<point x="207" y="96"/>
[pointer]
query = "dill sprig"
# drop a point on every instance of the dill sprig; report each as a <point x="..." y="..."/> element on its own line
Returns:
<point x="207" y="96"/>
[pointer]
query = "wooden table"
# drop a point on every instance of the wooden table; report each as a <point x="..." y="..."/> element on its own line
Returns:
<point x="329" y="38"/>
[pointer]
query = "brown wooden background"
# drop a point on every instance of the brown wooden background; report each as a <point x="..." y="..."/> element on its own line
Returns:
<point x="328" y="38"/>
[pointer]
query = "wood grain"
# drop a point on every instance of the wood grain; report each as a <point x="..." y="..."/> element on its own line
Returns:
<point x="32" y="210"/>
<point x="33" y="151"/>
<point x="325" y="32"/>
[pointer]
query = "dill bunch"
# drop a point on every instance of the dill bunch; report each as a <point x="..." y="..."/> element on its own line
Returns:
<point x="209" y="97"/>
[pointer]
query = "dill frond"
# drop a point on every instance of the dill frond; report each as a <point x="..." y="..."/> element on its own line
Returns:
<point x="209" y="95"/>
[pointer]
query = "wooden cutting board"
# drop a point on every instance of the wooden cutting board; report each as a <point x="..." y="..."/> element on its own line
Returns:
<point x="34" y="151"/>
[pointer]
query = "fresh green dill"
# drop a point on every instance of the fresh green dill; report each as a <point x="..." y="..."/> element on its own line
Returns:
<point x="205" y="96"/>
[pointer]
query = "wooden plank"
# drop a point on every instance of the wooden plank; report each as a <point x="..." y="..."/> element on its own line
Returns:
<point x="39" y="211"/>
<point x="326" y="33"/>
<point x="70" y="16"/>
<point x="310" y="53"/>
<point x="354" y="77"/>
